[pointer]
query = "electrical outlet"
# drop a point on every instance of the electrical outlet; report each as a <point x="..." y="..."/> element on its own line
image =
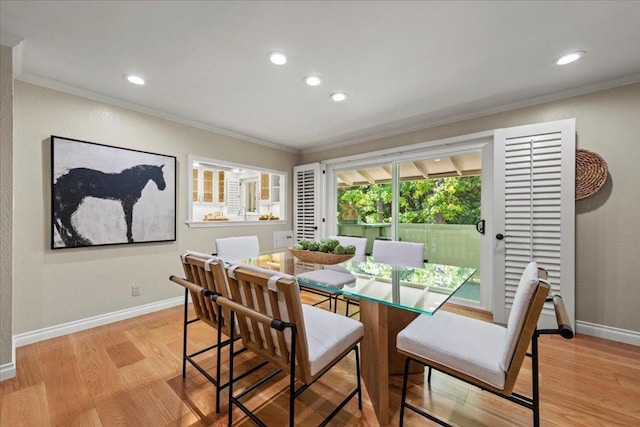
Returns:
<point x="135" y="290"/>
<point x="282" y="239"/>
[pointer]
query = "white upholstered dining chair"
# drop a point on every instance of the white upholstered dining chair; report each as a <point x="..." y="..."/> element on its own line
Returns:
<point x="484" y="354"/>
<point x="303" y="340"/>
<point x="406" y="254"/>
<point x="205" y="276"/>
<point x="237" y="248"/>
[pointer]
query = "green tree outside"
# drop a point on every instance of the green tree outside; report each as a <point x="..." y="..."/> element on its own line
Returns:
<point x="454" y="200"/>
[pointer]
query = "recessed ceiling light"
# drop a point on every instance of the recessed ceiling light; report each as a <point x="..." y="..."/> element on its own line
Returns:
<point x="277" y="58"/>
<point x="136" y="80"/>
<point x="569" y="58"/>
<point x="312" y="80"/>
<point x="436" y="160"/>
<point x="338" y="96"/>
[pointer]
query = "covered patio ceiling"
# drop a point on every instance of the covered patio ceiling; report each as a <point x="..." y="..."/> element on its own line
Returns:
<point x="462" y="165"/>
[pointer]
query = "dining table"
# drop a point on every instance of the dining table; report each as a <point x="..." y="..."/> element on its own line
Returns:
<point x="390" y="297"/>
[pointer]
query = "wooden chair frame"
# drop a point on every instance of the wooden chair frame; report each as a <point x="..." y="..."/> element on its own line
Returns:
<point x="265" y="335"/>
<point x="529" y="334"/>
<point x="205" y="276"/>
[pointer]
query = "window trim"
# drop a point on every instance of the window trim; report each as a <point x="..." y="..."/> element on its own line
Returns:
<point x="191" y="158"/>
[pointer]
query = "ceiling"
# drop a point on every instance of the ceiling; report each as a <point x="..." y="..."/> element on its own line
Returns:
<point x="404" y="65"/>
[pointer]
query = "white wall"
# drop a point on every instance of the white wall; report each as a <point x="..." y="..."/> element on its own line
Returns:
<point x="55" y="287"/>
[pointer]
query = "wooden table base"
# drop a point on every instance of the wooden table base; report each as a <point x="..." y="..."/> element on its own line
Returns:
<point x="379" y="356"/>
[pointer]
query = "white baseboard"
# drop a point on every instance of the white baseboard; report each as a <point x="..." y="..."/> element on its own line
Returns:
<point x="608" y="332"/>
<point x="8" y="370"/>
<point x="92" y="322"/>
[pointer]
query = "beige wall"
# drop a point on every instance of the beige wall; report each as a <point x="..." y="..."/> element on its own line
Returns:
<point x="6" y="195"/>
<point x="54" y="287"/>
<point x="607" y="231"/>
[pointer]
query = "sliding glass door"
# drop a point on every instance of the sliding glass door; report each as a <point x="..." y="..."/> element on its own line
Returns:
<point x="439" y="204"/>
<point x="432" y="200"/>
<point x="364" y="203"/>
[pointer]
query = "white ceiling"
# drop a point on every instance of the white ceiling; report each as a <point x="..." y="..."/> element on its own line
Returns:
<point x="404" y="65"/>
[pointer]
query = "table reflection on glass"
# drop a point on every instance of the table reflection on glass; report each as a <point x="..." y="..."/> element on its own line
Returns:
<point x="390" y="297"/>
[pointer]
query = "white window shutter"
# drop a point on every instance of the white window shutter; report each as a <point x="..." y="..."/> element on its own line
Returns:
<point x="534" y="194"/>
<point x="307" y="209"/>
<point x="233" y="196"/>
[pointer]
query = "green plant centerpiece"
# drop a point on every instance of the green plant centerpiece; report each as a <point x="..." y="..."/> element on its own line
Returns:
<point x="324" y="251"/>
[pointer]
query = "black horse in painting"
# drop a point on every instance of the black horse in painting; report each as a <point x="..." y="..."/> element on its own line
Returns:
<point x="125" y="187"/>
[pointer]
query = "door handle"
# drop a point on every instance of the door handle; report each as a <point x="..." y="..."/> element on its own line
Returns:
<point x="480" y="226"/>
<point x="499" y="236"/>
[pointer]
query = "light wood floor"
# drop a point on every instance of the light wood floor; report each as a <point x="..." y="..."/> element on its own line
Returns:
<point x="129" y="374"/>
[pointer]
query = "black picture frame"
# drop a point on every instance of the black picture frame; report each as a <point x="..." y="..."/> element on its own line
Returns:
<point x="107" y="195"/>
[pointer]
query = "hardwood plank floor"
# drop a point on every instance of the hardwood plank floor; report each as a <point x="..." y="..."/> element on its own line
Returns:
<point x="129" y="374"/>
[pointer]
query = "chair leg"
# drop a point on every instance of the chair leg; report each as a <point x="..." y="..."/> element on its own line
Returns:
<point x="359" y="384"/>
<point x="218" y="360"/>
<point x="232" y="339"/>
<point x="346" y="313"/>
<point x="404" y="403"/>
<point x="535" y="381"/>
<point x="292" y="378"/>
<point x="186" y="356"/>
<point x="404" y="390"/>
<point x="429" y="376"/>
<point x="184" y="334"/>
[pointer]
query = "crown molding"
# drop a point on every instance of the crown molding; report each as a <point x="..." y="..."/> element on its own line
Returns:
<point x="84" y="93"/>
<point x="10" y="40"/>
<point x="425" y="123"/>
<point x="16" y="44"/>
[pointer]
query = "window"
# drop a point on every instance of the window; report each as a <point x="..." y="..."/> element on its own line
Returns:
<point x="224" y="193"/>
<point x="438" y="204"/>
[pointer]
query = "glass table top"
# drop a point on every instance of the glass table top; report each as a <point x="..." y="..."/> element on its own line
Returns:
<point x="422" y="290"/>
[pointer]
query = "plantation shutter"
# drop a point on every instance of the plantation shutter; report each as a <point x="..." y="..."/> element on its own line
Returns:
<point x="307" y="202"/>
<point x="534" y="180"/>
<point x="233" y="196"/>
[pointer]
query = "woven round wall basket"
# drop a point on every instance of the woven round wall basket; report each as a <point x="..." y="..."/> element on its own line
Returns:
<point x="591" y="173"/>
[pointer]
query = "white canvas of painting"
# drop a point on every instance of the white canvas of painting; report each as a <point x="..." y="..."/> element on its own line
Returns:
<point x="105" y="195"/>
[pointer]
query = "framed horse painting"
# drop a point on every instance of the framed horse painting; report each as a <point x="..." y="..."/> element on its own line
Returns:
<point x="106" y="195"/>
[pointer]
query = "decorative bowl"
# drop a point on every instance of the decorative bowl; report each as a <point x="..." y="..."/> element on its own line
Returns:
<point x="319" y="257"/>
